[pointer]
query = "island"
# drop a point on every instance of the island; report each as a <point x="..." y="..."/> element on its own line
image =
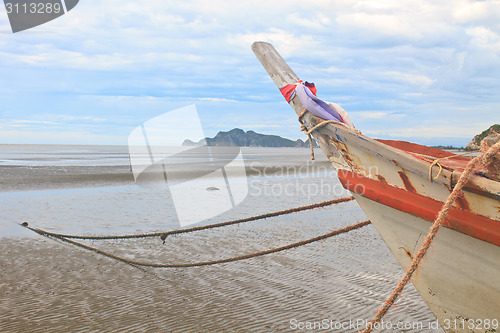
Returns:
<point x="239" y="138"/>
<point x="491" y="135"/>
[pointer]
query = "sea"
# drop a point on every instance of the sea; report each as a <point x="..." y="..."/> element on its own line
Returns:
<point x="47" y="285"/>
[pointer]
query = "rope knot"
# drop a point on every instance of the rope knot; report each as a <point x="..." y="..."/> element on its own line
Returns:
<point x="163" y="236"/>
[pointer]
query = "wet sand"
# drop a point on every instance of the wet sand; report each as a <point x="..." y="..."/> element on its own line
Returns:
<point x="19" y="178"/>
<point x="49" y="286"/>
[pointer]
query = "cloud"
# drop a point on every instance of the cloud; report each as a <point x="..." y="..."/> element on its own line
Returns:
<point x="212" y="99"/>
<point x="111" y="65"/>
<point x="482" y="12"/>
<point x="411" y="78"/>
<point x="484" y="38"/>
<point x="288" y="43"/>
<point x="361" y="115"/>
<point x="261" y="126"/>
<point x="35" y="122"/>
<point x="48" y="57"/>
<point x="79" y="118"/>
<point x="465" y="132"/>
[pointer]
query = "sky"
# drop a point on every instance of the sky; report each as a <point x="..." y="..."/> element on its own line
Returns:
<point x="420" y="71"/>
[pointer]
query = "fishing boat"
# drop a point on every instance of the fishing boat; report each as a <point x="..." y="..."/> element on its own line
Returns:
<point x="401" y="187"/>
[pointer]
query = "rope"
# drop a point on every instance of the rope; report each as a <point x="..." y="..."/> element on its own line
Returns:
<point x="484" y="157"/>
<point x="326" y="122"/>
<point x="491" y="162"/>
<point x="205" y="263"/>
<point x="303" y="128"/>
<point x="437" y="160"/>
<point x="164" y="235"/>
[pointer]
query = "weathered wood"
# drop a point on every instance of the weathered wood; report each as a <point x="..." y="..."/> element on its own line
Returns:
<point x="278" y="70"/>
<point x="274" y="64"/>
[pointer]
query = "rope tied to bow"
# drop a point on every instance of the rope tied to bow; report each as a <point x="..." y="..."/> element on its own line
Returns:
<point x="66" y="238"/>
<point x="308" y="132"/>
<point x="210" y="262"/>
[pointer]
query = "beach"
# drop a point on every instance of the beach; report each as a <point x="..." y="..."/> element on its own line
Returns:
<point x="336" y="284"/>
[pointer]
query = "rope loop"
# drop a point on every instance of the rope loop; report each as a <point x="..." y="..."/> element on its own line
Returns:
<point x="204" y="263"/>
<point x="163" y="236"/>
<point x="437" y="160"/>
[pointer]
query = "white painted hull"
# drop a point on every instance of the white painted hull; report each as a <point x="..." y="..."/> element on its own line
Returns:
<point x="460" y="275"/>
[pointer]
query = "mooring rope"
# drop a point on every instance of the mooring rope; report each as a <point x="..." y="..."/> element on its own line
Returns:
<point x="163" y="235"/>
<point x="304" y="129"/>
<point x="485" y="158"/>
<point x="204" y="263"/>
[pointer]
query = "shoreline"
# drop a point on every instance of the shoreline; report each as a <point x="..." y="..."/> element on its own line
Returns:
<point x="16" y="178"/>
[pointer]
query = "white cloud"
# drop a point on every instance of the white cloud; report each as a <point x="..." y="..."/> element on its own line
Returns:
<point x="73" y="118"/>
<point x="212" y="99"/>
<point x="379" y="25"/>
<point x="464" y="131"/>
<point x="476" y="11"/>
<point x="50" y="57"/>
<point x="411" y="78"/>
<point x="288" y="43"/>
<point x="36" y="122"/>
<point x="316" y="21"/>
<point x="358" y="115"/>
<point x="485" y="38"/>
<point x="261" y="126"/>
<point x="107" y="61"/>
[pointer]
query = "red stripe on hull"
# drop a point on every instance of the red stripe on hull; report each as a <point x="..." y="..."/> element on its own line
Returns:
<point x="468" y="223"/>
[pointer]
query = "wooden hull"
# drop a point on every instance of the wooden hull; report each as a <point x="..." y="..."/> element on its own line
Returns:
<point x="459" y="278"/>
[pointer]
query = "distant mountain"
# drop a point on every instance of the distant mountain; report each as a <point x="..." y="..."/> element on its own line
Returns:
<point x="491" y="133"/>
<point x="239" y="138"/>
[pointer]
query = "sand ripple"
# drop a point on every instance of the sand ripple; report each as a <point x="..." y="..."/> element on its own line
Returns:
<point x="49" y="286"/>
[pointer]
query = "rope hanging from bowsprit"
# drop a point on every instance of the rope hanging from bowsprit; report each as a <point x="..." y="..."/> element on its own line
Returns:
<point x="65" y="238"/>
<point x="163" y="235"/>
<point x="211" y="262"/>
